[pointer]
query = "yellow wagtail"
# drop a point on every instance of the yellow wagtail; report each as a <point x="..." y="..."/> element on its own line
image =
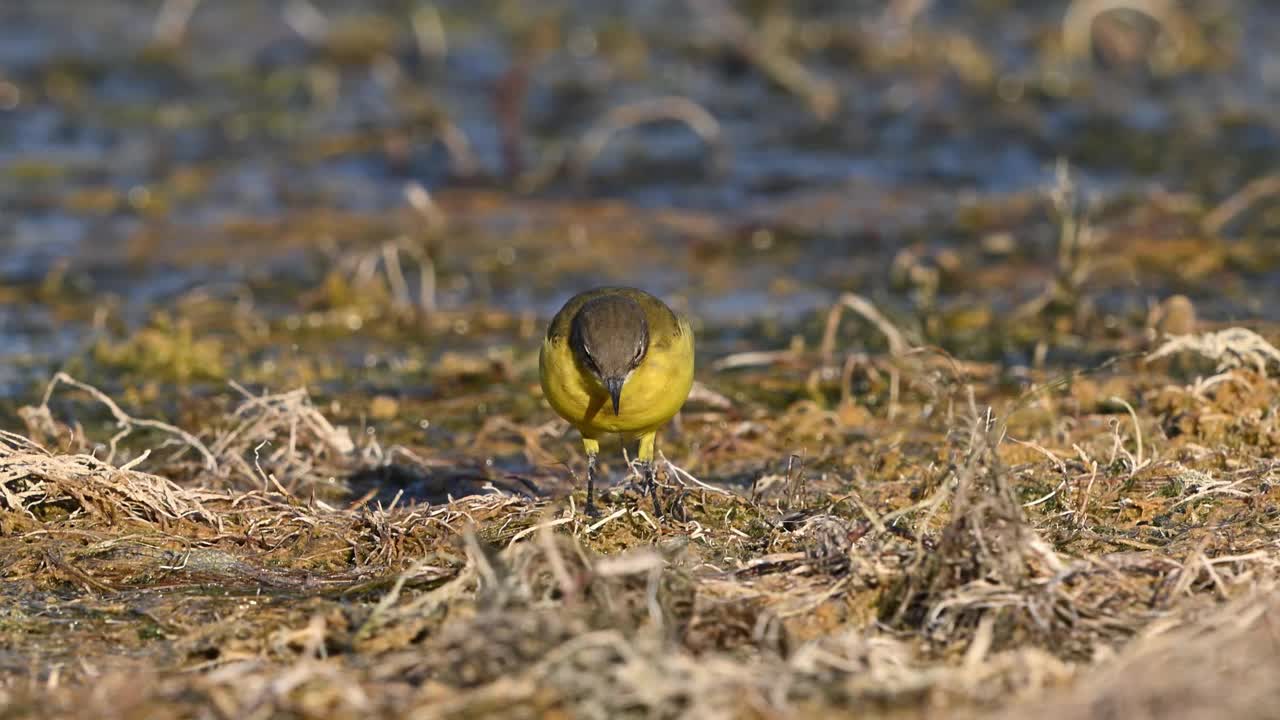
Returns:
<point x="617" y="360"/>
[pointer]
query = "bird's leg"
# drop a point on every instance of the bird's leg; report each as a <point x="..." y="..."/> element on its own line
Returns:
<point x="593" y="448"/>
<point x="591" y="486"/>
<point x="651" y="479"/>
<point x="649" y="469"/>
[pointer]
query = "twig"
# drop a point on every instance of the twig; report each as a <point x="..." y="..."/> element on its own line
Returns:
<point x="393" y="595"/>
<point x="534" y="528"/>
<point x="822" y="96"/>
<point x="363" y="268"/>
<point x="172" y="21"/>
<point x="547" y="540"/>
<point x="642" y="112"/>
<point x="306" y="20"/>
<point x="462" y="157"/>
<point x="605" y="520"/>
<point x="1057" y="461"/>
<point x="421" y="201"/>
<point x="752" y="358"/>
<point x="1217" y="487"/>
<point x="1076" y="243"/>
<point x="429" y="33"/>
<point x="703" y="394"/>
<point x="1137" y="429"/>
<point x="897" y="343"/>
<point x="1222" y="215"/>
<point x="1230" y="348"/>
<point x="127" y="422"/>
<point x="681" y="474"/>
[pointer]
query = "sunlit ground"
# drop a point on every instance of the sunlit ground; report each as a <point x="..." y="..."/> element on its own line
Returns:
<point x="985" y="300"/>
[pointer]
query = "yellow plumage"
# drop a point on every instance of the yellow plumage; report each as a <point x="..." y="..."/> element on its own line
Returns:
<point x="654" y="389"/>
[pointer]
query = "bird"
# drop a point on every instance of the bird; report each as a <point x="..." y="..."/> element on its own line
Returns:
<point x="617" y="360"/>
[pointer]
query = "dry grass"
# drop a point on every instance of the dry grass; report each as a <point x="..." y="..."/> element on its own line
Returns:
<point x="387" y="530"/>
<point x="979" y="572"/>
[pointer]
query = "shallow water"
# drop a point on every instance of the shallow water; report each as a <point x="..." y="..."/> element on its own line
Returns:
<point x="274" y="112"/>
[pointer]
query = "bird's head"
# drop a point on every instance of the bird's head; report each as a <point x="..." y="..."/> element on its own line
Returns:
<point x="610" y="337"/>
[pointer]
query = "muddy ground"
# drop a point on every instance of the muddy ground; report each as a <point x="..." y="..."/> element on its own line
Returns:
<point x="985" y="297"/>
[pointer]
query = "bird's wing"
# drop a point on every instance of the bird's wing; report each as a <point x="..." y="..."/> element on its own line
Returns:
<point x="665" y="326"/>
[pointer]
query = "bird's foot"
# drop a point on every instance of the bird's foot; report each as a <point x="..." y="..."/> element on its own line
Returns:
<point x="649" y="470"/>
<point x="634" y="482"/>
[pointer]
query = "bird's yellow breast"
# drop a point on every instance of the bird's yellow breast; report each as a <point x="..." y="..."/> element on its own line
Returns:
<point x="652" y="395"/>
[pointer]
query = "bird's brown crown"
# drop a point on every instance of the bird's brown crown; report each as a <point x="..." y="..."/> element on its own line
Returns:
<point x="610" y="336"/>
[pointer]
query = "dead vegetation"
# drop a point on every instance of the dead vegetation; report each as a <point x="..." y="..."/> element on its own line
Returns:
<point x="968" y="569"/>
<point x="320" y="483"/>
<point x="864" y="526"/>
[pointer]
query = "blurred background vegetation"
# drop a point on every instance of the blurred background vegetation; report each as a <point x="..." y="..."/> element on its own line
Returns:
<point x="365" y="193"/>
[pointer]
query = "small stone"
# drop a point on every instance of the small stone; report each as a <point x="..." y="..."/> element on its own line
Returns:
<point x="999" y="244"/>
<point x="1176" y="315"/>
<point x="383" y="407"/>
<point x="852" y="414"/>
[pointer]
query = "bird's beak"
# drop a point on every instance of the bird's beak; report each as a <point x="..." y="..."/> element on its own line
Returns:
<point x="614" y="386"/>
